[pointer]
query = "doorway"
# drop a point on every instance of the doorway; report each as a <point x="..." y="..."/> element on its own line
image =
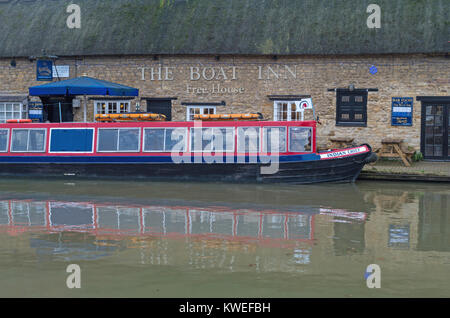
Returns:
<point x="160" y="106"/>
<point x="435" y="128"/>
<point x="54" y="113"/>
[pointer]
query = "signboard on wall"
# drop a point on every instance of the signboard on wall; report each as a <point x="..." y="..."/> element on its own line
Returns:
<point x="44" y="70"/>
<point x="61" y="71"/>
<point x="402" y="111"/>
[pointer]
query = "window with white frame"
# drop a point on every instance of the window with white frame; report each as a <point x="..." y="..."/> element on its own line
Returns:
<point x="12" y="110"/>
<point x="118" y="139"/>
<point x="285" y="111"/>
<point x="28" y="140"/>
<point x="212" y="139"/>
<point x="165" y="139"/>
<point x="112" y="106"/>
<point x="274" y="139"/>
<point x="248" y="139"/>
<point x="300" y="139"/>
<point x="4" y="138"/>
<point x="199" y="110"/>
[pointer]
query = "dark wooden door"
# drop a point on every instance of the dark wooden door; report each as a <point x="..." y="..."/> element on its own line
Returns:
<point x="435" y="131"/>
<point x="160" y="106"/>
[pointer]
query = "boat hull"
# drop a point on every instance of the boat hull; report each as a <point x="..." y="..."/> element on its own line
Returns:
<point x="343" y="169"/>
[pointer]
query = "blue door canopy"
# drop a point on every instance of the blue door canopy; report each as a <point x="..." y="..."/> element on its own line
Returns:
<point x="83" y="86"/>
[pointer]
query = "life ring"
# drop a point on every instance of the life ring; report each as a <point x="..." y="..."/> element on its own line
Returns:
<point x="19" y="121"/>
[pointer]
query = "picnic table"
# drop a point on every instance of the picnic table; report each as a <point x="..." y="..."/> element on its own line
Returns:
<point x="391" y="148"/>
<point x="341" y="142"/>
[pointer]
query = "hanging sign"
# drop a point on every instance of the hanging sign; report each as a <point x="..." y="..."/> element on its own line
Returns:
<point x="44" y="70"/>
<point x="402" y="111"/>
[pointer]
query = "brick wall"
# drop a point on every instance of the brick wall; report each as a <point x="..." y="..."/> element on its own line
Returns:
<point x="248" y="80"/>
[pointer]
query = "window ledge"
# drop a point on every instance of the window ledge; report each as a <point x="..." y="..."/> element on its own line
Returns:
<point x="352" y="124"/>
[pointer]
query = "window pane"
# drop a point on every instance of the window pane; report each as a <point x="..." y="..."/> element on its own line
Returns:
<point x="196" y="139"/>
<point x="129" y="139"/>
<point x="299" y="139"/>
<point x="112" y="108"/>
<point x="279" y="135"/>
<point x="223" y="139"/>
<point x="248" y="139"/>
<point x="37" y="140"/>
<point x="154" y="139"/>
<point x="207" y="139"/>
<point x="175" y="139"/>
<point x="19" y="140"/>
<point x="3" y="140"/>
<point x="358" y="117"/>
<point x="107" y="139"/>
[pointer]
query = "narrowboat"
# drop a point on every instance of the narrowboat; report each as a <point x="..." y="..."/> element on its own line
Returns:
<point x="246" y="150"/>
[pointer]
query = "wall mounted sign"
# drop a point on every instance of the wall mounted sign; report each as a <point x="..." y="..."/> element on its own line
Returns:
<point x="402" y="111"/>
<point x="44" y="70"/>
<point x="61" y="71"/>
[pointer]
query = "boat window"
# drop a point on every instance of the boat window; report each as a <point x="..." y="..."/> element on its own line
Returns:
<point x="107" y="139"/>
<point x="154" y="139"/>
<point x="278" y="134"/>
<point x="123" y="139"/>
<point x="175" y="139"/>
<point x="212" y="139"/>
<point x="129" y="139"/>
<point x="4" y="134"/>
<point x="28" y="140"/>
<point x="300" y="139"/>
<point x="165" y="139"/>
<point x="71" y="140"/>
<point x="248" y="139"/>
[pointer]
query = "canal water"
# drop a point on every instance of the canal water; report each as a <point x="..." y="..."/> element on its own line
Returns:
<point x="142" y="239"/>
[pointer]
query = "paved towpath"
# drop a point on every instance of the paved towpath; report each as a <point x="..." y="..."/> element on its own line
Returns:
<point x="419" y="171"/>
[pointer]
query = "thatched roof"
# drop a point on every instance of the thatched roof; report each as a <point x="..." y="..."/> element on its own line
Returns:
<point x="282" y="27"/>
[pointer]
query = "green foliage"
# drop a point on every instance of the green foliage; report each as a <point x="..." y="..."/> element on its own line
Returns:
<point x="417" y="156"/>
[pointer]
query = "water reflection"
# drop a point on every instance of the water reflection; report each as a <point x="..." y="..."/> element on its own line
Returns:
<point x="107" y="227"/>
<point x="434" y="222"/>
<point x="323" y="233"/>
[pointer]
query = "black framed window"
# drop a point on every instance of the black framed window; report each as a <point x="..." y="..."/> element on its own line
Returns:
<point x="351" y="107"/>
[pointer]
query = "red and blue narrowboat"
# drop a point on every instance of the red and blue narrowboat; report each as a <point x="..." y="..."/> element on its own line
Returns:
<point x="245" y="150"/>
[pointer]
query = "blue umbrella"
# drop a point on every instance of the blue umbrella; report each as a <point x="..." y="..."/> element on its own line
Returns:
<point x="83" y="86"/>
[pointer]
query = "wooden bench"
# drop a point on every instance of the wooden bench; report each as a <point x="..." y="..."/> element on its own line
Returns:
<point x="341" y="142"/>
<point x="391" y="148"/>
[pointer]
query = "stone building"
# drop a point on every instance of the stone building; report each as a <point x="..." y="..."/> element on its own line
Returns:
<point x="368" y="78"/>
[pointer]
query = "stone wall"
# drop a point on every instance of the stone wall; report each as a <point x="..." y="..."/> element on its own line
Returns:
<point x="246" y="82"/>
